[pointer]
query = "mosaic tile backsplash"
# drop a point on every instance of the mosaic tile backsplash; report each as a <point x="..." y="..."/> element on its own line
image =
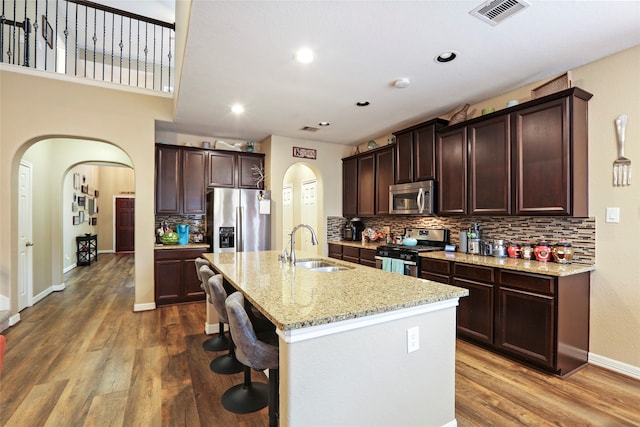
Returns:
<point x="197" y="223"/>
<point x="580" y="232"/>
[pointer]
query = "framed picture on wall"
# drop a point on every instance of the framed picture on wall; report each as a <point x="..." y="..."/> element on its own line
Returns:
<point x="95" y="193"/>
<point x="81" y="200"/>
<point x="74" y="206"/>
<point x="81" y="215"/>
<point x="90" y="206"/>
<point x="94" y="221"/>
<point x="76" y="220"/>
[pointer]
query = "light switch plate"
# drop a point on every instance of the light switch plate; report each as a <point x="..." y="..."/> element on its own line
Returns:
<point x="613" y="215"/>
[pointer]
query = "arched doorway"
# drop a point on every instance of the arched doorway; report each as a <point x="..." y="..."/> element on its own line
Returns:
<point x="301" y="204"/>
<point x="56" y="191"/>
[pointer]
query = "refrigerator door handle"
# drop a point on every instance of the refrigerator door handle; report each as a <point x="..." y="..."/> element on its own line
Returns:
<point x="239" y="231"/>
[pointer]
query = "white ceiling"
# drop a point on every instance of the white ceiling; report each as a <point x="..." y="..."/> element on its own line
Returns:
<point x="242" y="51"/>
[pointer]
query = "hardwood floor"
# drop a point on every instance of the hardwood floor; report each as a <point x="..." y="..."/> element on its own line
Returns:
<point x="82" y="357"/>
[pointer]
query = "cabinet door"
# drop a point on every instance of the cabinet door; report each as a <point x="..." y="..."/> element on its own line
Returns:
<point x="404" y="157"/>
<point x="335" y="251"/>
<point x="526" y="325"/>
<point x="351" y="254"/>
<point x="543" y="185"/>
<point x="452" y="172"/>
<point x="222" y="169"/>
<point x="168" y="281"/>
<point x="191" y="285"/>
<point x="424" y="141"/>
<point x="167" y="180"/>
<point x="384" y="178"/>
<point x="475" y="311"/>
<point x="435" y="269"/>
<point x="248" y="176"/>
<point x="490" y="167"/>
<point x="366" y="185"/>
<point x="350" y="187"/>
<point x="368" y="257"/>
<point x="194" y="164"/>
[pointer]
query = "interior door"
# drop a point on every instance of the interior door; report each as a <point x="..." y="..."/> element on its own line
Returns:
<point x="309" y="213"/>
<point x="25" y="237"/>
<point x="125" y="224"/>
<point x="287" y="213"/>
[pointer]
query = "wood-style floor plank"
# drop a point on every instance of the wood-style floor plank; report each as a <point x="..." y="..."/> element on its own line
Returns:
<point x="82" y="357"/>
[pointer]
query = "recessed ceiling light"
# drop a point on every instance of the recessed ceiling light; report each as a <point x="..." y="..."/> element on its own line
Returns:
<point x="362" y="103"/>
<point x="237" y="108"/>
<point x="446" y="56"/>
<point x="323" y="124"/>
<point x="304" y="55"/>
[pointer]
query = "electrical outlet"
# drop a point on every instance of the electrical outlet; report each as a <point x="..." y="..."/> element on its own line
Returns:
<point x="413" y="339"/>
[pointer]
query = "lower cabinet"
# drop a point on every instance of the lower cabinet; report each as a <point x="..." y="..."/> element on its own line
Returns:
<point x="351" y="254"/>
<point x="176" y="280"/>
<point x="533" y="318"/>
<point x="362" y="256"/>
<point x="335" y="251"/>
<point x="368" y="257"/>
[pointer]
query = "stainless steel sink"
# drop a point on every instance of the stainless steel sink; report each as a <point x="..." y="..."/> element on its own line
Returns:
<point x="320" y="265"/>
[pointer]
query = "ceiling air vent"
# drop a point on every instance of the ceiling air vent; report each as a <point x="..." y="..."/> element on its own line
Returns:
<point x="496" y="11"/>
<point x="309" y="129"/>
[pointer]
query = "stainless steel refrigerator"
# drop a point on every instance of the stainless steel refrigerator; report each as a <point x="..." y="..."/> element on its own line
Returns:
<point x="239" y="220"/>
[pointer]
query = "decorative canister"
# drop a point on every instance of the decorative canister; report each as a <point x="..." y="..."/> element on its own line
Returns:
<point x="562" y="252"/>
<point x="513" y="250"/>
<point x="542" y="251"/>
<point x="526" y="251"/>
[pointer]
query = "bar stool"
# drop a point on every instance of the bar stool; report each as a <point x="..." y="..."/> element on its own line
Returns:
<point x="219" y="342"/>
<point x="253" y="353"/>
<point x="227" y="363"/>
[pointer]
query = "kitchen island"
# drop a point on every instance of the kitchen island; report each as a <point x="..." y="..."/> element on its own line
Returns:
<point x="344" y="340"/>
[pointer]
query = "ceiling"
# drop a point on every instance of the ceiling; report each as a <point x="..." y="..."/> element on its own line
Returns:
<point x="243" y="51"/>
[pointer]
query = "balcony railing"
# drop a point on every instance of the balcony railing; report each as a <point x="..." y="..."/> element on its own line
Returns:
<point x="85" y="39"/>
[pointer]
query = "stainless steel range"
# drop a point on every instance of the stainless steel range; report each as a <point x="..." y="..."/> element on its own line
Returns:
<point x="404" y="259"/>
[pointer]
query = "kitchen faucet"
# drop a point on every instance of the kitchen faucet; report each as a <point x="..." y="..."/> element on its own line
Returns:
<point x="292" y="254"/>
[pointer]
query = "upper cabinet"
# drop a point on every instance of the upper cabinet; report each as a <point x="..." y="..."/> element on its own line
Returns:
<point x="350" y="187"/>
<point x="180" y="176"/>
<point x="384" y="178"/>
<point x="366" y="184"/>
<point x="235" y="170"/>
<point x="525" y="160"/>
<point x="416" y="152"/>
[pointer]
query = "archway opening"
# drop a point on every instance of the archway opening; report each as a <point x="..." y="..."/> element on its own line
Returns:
<point x="301" y="204"/>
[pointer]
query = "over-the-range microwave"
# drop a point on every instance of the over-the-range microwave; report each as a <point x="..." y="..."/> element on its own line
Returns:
<point x="414" y="198"/>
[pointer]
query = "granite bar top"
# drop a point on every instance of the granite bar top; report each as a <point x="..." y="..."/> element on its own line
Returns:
<point x="547" y="268"/>
<point x="295" y="297"/>
<point x="160" y="246"/>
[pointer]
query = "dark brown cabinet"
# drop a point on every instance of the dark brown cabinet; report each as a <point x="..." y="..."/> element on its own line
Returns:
<point x="416" y="152"/>
<point x="368" y="257"/>
<point x="383" y="179"/>
<point x="180" y="180"/>
<point x="351" y="254"/>
<point x="176" y="280"/>
<point x="490" y="166"/>
<point x="350" y="187"/>
<point x="551" y="148"/>
<point x="366" y="184"/>
<point x="249" y="166"/>
<point x="335" y="251"/>
<point x="222" y="169"/>
<point x="476" y="311"/>
<point x="533" y="318"/>
<point x="452" y="172"/>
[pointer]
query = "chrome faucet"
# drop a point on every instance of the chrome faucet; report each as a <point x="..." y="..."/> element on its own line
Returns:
<point x="314" y="241"/>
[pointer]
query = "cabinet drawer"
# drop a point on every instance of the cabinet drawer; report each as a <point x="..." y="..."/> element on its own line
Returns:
<point x="528" y="282"/>
<point x="351" y="252"/>
<point x="335" y="251"/>
<point x="435" y="266"/>
<point x="368" y="255"/>
<point x="440" y="278"/>
<point x="473" y="272"/>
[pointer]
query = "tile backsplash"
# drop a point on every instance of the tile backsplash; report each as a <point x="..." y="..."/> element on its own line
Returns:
<point x="580" y="232"/>
<point x="197" y="223"/>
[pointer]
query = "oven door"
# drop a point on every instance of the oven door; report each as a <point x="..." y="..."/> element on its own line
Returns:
<point x="410" y="267"/>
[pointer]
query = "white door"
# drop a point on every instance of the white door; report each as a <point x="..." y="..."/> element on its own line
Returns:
<point x="25" y="237"/>
<point x="287" y="213"/>
<point x="309" y="213"/>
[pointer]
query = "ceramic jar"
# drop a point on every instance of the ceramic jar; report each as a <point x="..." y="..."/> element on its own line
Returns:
<point x="542" y="251"/>
<point x="562" y="252"/>
<point x="526" y="251"/>
<point x="513" y="250"/>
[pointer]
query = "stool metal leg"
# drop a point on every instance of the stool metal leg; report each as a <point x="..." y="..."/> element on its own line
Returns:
<point x="227" y="364"/>
<point x="219" y="342"/>
<point x="246" y="397"/>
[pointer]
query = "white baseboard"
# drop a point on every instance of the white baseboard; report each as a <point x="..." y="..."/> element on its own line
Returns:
<point x="14" y="319"/>
<point x="144" y="307"/>
<point x="68" y="269"/>
<point x="5" y="303"/>
<point x="614" y="365"/>
<point x="106" y="251"/>
<point x="213" y="328"/>
<point x="39" y="297"/>
<point x="58" y="288"/>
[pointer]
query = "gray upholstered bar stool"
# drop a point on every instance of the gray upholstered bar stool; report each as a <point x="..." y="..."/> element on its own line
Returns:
<point x="219" y="342"/>
<point x="256" y="354"/>
<point x="227" y="363"/>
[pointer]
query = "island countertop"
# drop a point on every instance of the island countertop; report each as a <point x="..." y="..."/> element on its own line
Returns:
<point x="295" y="297"/>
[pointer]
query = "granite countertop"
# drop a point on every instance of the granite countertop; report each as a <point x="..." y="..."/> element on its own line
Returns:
<point x="160" y="246"/>
<point x="547" y="268"/>
<point x="357" y="244"/>
<point x="296" y="297"/>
